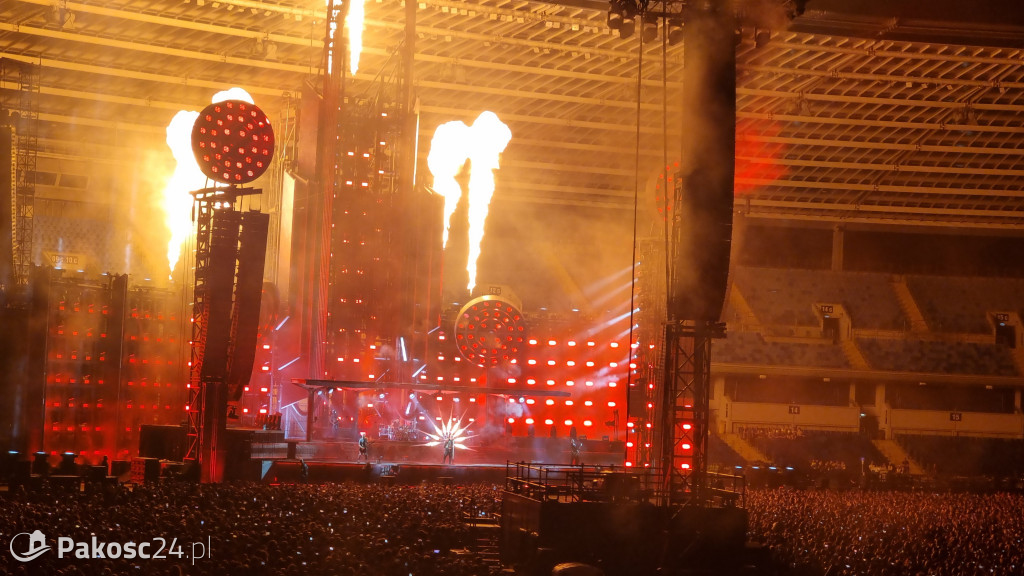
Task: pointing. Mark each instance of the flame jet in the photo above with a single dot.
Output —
(177, 197)
(490, 137)
(448, 153)
(481, 145)
(354, 22)
(354, 19)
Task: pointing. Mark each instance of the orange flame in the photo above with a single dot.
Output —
(177, 197)
(354, 23)
(481, 144)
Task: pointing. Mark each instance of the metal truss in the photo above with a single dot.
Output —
(25, 116)
(685, 410)
(200, 316)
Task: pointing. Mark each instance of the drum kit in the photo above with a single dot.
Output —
(399, 430)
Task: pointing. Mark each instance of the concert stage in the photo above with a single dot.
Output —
(253, 454)
(411, 462)
(290, 471)
(495, 451)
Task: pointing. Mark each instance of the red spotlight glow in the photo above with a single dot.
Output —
(233, 142)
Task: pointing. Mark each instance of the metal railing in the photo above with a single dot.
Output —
(587, 483)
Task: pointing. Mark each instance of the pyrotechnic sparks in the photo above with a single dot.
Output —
(481, 144)
(452, 429)
(177, 200)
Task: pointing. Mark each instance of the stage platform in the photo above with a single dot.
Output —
(290, 472)
(496, 451)
(253, 453)
(408, 462)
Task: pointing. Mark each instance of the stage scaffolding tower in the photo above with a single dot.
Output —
(200, 313)
(24, 120)
(685, 410)
(207, 200)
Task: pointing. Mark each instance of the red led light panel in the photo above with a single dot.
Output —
(233, 142)
(489, 330)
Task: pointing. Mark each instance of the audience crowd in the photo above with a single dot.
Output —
(821, 466)
(378, 529)
(779, 432)
(889, 533)
(255, 529)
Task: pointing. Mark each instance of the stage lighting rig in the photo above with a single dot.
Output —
(649, 31)
(622, 16)
(674, 31)
(233, 142)
(489, 331)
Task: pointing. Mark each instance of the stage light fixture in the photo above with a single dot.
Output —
(675, 31)
(649, 32)
(622, 17)
(489, 330)
(615, 15)
(762, 36)
(628, 25)
(233, 142)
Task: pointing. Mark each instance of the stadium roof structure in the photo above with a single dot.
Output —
(864, 111)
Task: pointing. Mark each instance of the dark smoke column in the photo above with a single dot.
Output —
(701, 239)
(702, 230)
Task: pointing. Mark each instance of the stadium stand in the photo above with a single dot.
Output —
(787, 297)
(960, 304)
(752, 348)
(937, 357)
(966, 456)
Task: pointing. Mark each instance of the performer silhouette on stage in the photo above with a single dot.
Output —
(364, 447)
(575, 445)
(449, 451)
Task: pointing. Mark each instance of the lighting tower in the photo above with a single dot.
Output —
(700, 243)
(233, 144)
